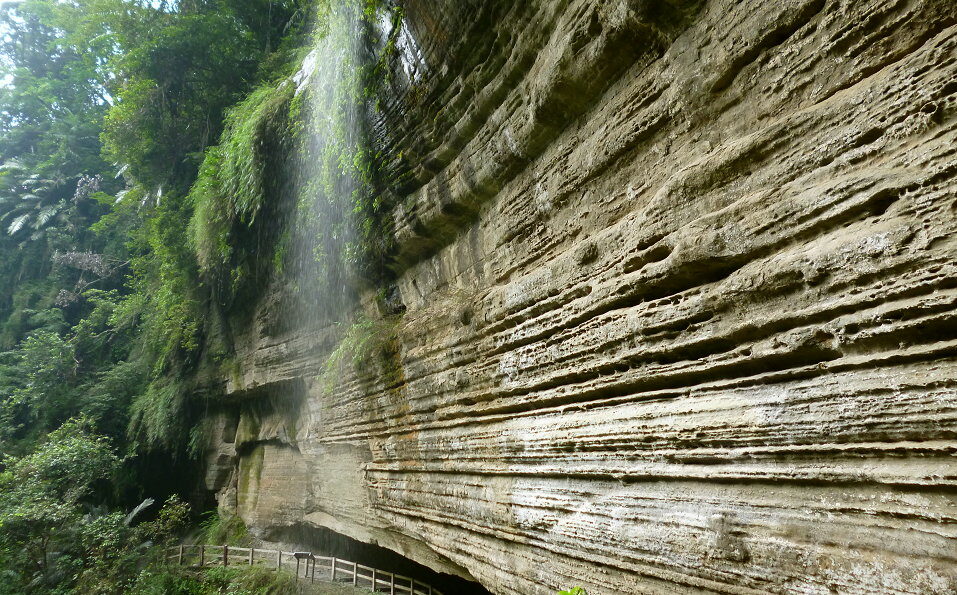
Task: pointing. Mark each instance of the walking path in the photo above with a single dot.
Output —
(306, 565)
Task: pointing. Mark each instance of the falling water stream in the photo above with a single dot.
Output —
(328, 177)
(334, 170)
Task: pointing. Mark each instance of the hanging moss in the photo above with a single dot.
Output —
(238, 181)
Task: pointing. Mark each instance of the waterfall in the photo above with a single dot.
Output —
(332, 166)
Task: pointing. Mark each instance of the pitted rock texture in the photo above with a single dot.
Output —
(680, 282)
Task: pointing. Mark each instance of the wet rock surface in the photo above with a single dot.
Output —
(679, 288)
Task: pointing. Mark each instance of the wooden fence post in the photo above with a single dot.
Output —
(278, 560)
(251, 555)
(202, 555)
(373, 581)
(225, 555)
(333, 570)
(180, 555)
(355, 574)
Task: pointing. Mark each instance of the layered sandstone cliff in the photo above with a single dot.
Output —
(679, 288)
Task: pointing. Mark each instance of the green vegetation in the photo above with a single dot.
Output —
(368, 343)
(55, 529)
(151, 161)
(223, 529)
(339, 187)
(239, 580)
(57, 536)
(103, 298)
(236, 180)
(573, 591)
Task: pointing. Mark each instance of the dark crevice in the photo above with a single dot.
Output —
(246, 448)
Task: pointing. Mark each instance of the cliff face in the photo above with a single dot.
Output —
(679, 282)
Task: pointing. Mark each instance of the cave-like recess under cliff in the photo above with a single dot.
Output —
(679, 282)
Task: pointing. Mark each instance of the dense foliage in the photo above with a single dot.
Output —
(107, 110)
(143, 143)
(56, 531)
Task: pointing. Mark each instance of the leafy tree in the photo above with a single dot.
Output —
(53, 375)
(51, 171)
(54, 534)
(174, 68)
(140, 87)
(43, 497)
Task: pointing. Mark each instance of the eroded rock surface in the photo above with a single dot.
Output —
(680, 288)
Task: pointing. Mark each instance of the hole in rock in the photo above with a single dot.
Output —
(325, 542)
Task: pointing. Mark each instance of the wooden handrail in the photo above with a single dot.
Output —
(337, 567)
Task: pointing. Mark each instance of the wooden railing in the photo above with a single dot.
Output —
(307, 566)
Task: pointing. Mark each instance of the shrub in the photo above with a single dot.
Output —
(225, 529)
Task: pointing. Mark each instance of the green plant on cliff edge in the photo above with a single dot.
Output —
(366, 342)
(573, 591)
(236, 182)
(341, 193)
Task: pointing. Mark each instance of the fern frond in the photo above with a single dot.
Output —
(18, 224)
(45, 215)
